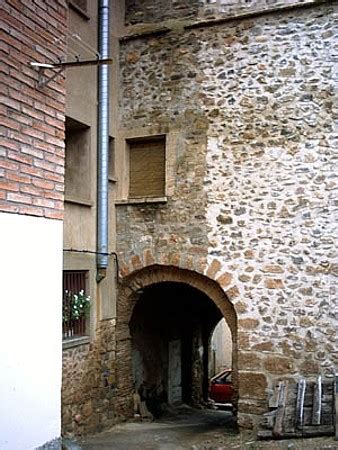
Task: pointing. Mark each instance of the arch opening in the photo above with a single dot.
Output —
(170, 328)
(168, 317)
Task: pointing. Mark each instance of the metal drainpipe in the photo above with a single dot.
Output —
(103, 141)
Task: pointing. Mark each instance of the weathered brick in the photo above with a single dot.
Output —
(10, 123)
(39, 173)
(55, 159)
(43, 184)
(16, 156)
(9, 186)
(29, 36)
(5, 143)
(33, 152)
(43, 202)
(10, 165)
(53, 177)
(20, 198)
(32, 190)
(6, 101)
(55, 123)
(33, 132)
(8, 207)
(31, 211)
(14, 176)
(50, 167)
(54, 195)
(53, 214)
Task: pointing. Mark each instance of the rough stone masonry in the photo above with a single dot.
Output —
(243, 90)
(255, 190)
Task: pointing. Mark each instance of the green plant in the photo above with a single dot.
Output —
(75, 306)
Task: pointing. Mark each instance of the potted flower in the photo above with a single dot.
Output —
(75, 309)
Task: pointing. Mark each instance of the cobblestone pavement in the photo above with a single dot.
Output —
(190, 429)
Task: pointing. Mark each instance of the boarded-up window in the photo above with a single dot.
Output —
(147, 167)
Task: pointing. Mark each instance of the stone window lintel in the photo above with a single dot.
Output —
(74, 342)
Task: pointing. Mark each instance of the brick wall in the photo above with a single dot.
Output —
(31, 118)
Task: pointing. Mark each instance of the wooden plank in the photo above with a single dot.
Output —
(324, 430)
(300, 403)
(328, 387)
(282, 392)
(327, 418)
(317, 402)
(313, 431)
(273, 402)
(307, 416)
(264, 434)
(268, 420)
(289, 418)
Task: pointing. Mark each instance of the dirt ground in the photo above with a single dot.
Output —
(189, 429)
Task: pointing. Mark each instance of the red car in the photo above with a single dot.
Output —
(221, 389)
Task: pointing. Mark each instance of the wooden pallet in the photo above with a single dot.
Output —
(300, 410)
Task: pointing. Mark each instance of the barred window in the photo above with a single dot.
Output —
(74, 321)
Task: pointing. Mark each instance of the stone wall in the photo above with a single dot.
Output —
(252, 101)
(89, 386)
(140, 11)
(156, 11)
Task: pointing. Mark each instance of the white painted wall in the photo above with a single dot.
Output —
(30, 331)
(221, 346)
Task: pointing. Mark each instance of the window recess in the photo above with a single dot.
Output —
(77, 162)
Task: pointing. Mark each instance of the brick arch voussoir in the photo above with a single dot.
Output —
(147, 259)
(140, 278)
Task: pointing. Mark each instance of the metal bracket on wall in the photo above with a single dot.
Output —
(60, 66)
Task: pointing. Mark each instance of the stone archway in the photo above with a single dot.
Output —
(130, 290)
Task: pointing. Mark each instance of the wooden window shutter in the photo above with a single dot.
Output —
(147, 168)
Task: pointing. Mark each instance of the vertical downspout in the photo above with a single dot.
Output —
(102, 140)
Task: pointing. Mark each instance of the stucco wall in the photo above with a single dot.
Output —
(221, 348)
(30, 331)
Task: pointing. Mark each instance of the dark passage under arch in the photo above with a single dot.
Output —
(170, 332)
